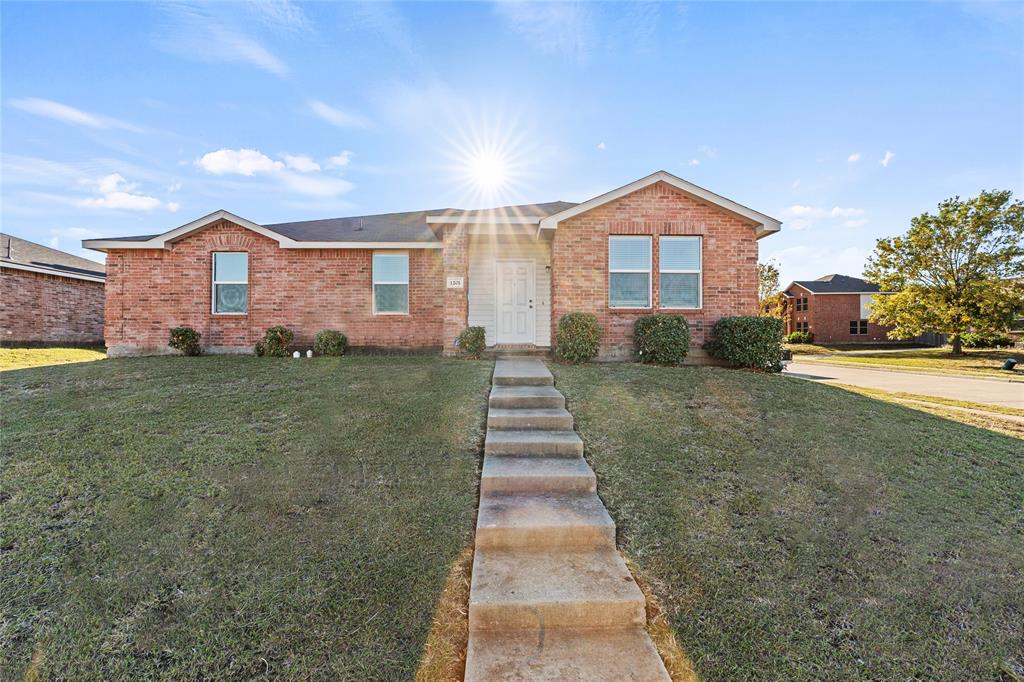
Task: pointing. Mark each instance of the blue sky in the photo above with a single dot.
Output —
(842, 120)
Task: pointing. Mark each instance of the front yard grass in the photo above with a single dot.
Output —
(232, 517)
(794, 530)
(21, 358)
(974, 361)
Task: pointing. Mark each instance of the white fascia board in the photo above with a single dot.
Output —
(765, 224)
(364, 245)
(105, 244)
(51, 271)
(160, 241)
(185, 229)
(473, 220)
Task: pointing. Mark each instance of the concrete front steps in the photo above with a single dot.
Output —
(551, 598)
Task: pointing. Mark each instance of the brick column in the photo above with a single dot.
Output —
(456, 303)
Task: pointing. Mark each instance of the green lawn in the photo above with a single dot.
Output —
(794, 530)
(974, 361)
(232, 517)
(21, 358)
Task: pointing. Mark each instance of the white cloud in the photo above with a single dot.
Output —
(237, 161)
(175, 187)
(558, 27)
(117, 193)
(709, 152)
(800, 217)
(300, 162)
(853, 158)
(340, 160)
(887, 159)
(280, 14)
(212, 32)
(812, 261)
(315, 185)
(251, 162)
(68, 114)
(799, 211)
(693, 162)
(600, 145)
(337, 117)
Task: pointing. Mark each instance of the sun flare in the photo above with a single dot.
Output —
(488, 170)
(491, 159)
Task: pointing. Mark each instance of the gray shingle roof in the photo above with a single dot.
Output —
(23, 252)
(391, 227)
(386, 227)
(838, 284)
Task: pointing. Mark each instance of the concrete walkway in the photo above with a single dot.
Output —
(550, 598)
(954, 387)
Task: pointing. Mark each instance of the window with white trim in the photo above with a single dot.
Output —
(679, 272)
(230, 282)
(391, 283)
(629, 272)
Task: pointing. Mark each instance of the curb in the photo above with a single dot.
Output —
(903, 370)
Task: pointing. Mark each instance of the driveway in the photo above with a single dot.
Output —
(991, 391)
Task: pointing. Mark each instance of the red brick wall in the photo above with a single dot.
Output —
(579, 262)
(39, 308)
(829, 317)
(151, 291)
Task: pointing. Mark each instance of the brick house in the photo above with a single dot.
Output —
(416, 280)
(834, 308)
(48, 296)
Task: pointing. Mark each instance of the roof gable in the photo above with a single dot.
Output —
(765, 224)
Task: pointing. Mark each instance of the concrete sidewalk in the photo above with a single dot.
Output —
(954, 387)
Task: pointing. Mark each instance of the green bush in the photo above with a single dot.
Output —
(661, 339)
(747, 341)
(275, 342)
(186, 339)
(799, 337)
(976, 340)
(578, 338)
(473, 341)
(330, 342)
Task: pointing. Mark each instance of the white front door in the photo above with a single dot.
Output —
(515, 294)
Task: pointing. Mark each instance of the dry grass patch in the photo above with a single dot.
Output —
(677, 663)
(22, 358)
(444, 654)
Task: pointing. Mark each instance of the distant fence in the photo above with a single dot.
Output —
(931, 339)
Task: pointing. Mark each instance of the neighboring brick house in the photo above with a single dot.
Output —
(48, 296)
(416, 280)
(834, 308)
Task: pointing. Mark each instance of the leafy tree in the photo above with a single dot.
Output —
(769, 298)
(956, 271)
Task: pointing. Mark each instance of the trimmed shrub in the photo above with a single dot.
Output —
(186, 339)
(661, 339)
(976, 340)
(473, 341)
(799, 337)
(578, 338)
(330, 342)
(747, 341)
(275, 342)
